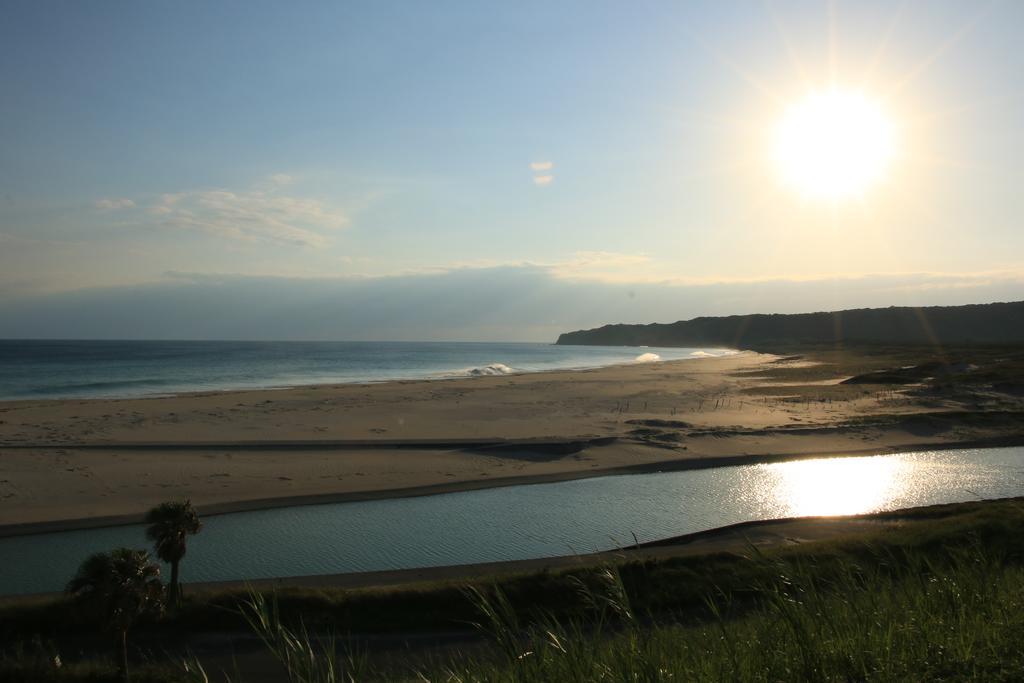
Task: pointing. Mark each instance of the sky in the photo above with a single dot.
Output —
(485, 171)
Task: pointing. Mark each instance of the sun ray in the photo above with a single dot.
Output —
(883, 44)
(963, 108)
(833, 43)
(741, 73)
(718, 121)
(791, 53)
(922, 67)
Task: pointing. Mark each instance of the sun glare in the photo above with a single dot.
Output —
(833, 144)
(839, 486)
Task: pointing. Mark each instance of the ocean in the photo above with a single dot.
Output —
(46, 369)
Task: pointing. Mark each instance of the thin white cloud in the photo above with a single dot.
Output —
(262, 215)
(541, 165)
(543, 179)
(607, 266)
(112, 204)
(607, 258)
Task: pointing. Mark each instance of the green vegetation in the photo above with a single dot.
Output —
(168, 526)
(116, 589)
(304, 658)
(967, 382)
(937, 597)
(909, 618)
(112, 592)
(931, 326)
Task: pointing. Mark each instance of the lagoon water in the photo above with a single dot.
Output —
(34, 369)
(520, 522)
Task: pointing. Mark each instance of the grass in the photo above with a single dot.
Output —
(937, 598)
(906, 619)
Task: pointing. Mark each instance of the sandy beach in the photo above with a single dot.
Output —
(73, 463)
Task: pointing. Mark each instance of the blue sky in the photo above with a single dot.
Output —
(605, 159)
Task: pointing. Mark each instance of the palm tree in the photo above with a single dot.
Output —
(119, 587)
(169, 524)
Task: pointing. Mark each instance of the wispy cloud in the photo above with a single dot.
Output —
(112, 204)
(542, 172)
(255, 215)
(260, 214)
(607, 266)
(607, 258)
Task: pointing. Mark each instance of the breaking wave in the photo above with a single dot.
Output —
(715, 353)
(488, 370)
(647, 358)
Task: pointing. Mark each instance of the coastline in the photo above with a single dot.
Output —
(731, 538)
(231, 507)
(425, 376)
(735, 538)
(74, 464)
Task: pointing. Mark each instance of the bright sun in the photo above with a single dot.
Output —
(833, 144)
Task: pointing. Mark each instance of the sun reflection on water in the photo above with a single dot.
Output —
(839, 486)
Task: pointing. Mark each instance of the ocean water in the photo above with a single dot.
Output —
(34, 369)
(529, 521)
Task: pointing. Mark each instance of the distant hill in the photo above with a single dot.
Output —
(1001, 323)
